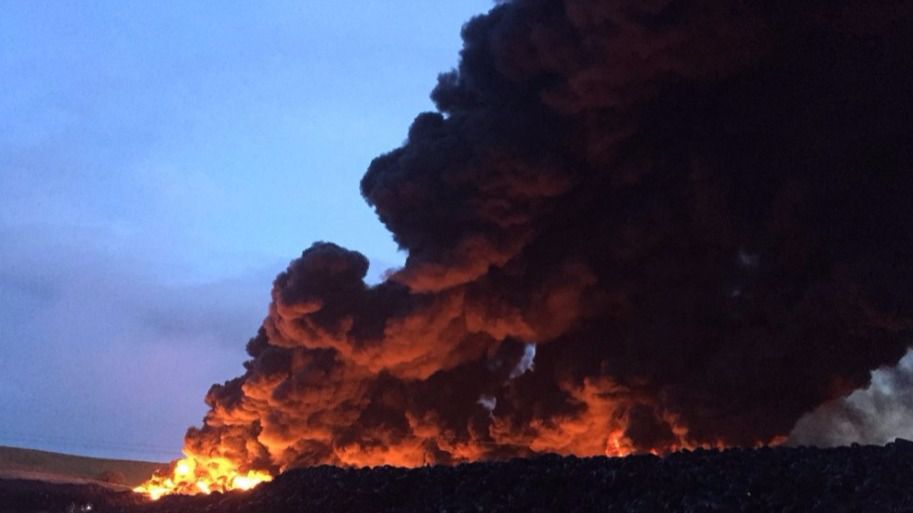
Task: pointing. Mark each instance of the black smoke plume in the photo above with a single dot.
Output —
(630, 225)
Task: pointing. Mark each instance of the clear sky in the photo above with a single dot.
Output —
(160, 162)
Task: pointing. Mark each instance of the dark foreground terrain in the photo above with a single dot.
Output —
(864, 479)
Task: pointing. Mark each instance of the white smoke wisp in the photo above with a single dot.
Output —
(489, 402)
(526, 361)
(871, 416)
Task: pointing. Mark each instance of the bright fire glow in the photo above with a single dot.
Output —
(194, 475)
(603, 432)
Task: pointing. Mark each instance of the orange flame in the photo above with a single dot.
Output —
(194, 475)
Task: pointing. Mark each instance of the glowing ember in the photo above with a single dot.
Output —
(194, 475)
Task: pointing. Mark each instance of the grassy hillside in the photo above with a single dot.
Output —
(30, 463)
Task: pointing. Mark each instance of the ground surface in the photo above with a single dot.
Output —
(66, 468)
(858, 479)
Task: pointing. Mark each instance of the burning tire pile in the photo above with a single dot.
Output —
(860, 478)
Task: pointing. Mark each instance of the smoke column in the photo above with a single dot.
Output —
(630, 225)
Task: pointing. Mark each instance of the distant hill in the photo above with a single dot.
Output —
(16, 463)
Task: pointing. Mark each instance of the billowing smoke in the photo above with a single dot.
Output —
(874, 415)
(700, 215)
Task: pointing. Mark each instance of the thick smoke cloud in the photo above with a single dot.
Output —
(874, 415)
(699, 213)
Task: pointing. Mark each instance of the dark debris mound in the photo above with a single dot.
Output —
(851, 479)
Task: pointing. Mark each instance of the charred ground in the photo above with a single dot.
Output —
(860, 478)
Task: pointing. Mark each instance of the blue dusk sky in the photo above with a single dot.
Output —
(160, 162)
